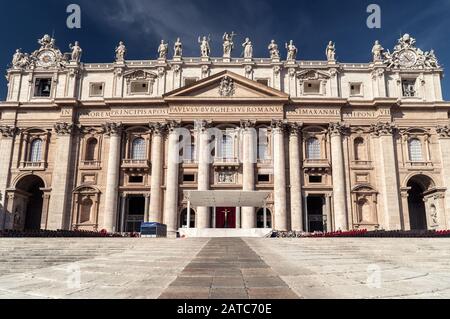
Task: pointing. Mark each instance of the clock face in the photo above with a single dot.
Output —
(408, 58)
(46, 59)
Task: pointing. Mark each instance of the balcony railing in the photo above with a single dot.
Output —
(316, 162)
(227, 161)
(135, 164)
(91, 164)
(33, 166)
(419, 165)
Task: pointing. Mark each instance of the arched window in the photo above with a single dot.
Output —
(415, 150)
(227, 147)
(313, 149)
(85, 210)
(138, 149)
(36, 151)
(263, 144)
(360, 149)
(91, 149)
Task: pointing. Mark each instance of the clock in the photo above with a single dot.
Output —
(46, 59)
(407, 58)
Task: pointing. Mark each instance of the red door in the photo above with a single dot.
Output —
(226, 217)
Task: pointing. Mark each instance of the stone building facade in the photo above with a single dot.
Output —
(336, 146)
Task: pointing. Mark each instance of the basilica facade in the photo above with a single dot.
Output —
(236, 143)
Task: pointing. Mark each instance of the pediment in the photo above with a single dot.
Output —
(226, 85)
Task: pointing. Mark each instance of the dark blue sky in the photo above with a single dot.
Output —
(142, 24)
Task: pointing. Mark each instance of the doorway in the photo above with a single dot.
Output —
(28, 209)
(226, 217)
(315, 206)
(416, 205)
(136, 213)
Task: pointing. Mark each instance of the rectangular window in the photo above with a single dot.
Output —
(139, 87)
(315, 179)
(190, 81)
(42, 87)
(96, 89)
(136, 179)
(355, 89)
(189, 178)
(409, 88)
(263, 81)
(312, 87)
(263, 178)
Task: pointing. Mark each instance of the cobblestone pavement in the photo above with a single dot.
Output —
(224, 268)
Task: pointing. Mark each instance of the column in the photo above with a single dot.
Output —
(238, 218)
(279, 163)
(155, 214)
(444, 146)
(388, 176)
(295, 178)
(114, 131)
(339, 194)
(147, 208)
(248, 214)
(203, 213)
(7, 134)
(123, 208)
(58, 212)
(172, 182)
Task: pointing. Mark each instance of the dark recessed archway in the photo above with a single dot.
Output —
(32, 186)
(417, 212)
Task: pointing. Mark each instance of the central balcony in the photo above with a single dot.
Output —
(226, 163)
(33, 166)
(317, 166)
(136, 165)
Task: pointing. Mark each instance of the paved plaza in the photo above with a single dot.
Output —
(224, 268)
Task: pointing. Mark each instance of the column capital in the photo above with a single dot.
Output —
(202, 125)
(158, 128)
(295, 129)
(383, 129)
(443, 131)
(247, 124)
(8, 131)
(173, 125)
(112, 128)
(338, 128)
(279, 125)
(64, 128)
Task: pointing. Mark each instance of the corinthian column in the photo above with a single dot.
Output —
(58, 212)
(7, 135)
(339, 194)
(114, 130)
(172, 180)
(279, 163)
(295, 178)
(248, 214)
(387, 175)
(444, 146)
(155, 214)
(203, 213)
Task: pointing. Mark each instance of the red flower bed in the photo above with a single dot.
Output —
(55, 234)
(366, 234)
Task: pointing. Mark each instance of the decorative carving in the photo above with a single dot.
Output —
(226, 88)
(76, 52)
(292, 72)
(226, 177)
(205, 71)
(312, 75)
(383, 129)
(158, 128)
(228, 44)
(274, 51)
(377, 73)
(248, 69)
(443, 131)
(20, 60)
(178, 49)
(163, 50)
(277, 70)
(112, 128)
(247, 124)
(295, 128)
(161, 71)
(248, 49)
(205, 48)
(202, 125)
(64, 128)
(121, 51)
(338, 129)
(292, 51)
(173, 125)
(406, 55)
(280, 125)
(8, 131)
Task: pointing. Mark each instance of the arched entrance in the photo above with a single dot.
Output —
(27, 211)
(184, 216)
(418, 185)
